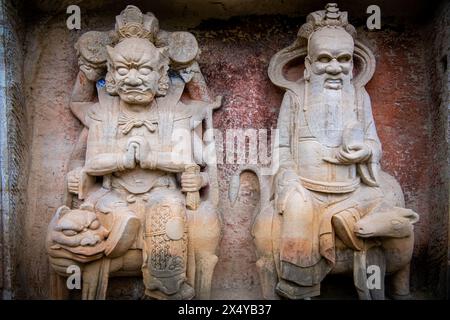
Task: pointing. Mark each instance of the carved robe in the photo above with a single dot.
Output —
(152, 197)
(335, 195)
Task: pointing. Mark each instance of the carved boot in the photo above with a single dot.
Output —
(165, 253)
(293, 291)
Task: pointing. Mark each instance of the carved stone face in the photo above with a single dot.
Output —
(78, 228)
(330, 52)
(137, 70)
(394, 223)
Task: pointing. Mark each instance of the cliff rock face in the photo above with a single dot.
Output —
(409, 94)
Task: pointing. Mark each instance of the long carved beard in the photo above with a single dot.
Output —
(328, 111)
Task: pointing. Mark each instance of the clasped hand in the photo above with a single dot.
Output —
(138, 152)
(354, 153)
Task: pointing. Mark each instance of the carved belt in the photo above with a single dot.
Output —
(330, 187)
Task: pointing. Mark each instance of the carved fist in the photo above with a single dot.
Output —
(91, 72)
(191, 182)
(73, 180)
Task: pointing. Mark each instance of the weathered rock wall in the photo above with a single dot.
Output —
(409, 102)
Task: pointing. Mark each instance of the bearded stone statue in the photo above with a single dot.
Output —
(331, 208)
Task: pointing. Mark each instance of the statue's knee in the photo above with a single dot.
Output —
(297, 202)
(263, 223)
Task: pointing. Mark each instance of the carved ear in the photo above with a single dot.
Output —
(412, 216)
(62, 211)
(307, 72)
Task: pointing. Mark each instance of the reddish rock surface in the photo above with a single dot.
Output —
(234, 60)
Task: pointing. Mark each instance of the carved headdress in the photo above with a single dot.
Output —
(331, 17)
(133, 23)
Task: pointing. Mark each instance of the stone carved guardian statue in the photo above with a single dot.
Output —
(141, 166)
(329, 208)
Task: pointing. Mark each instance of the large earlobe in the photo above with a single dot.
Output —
(307, 72)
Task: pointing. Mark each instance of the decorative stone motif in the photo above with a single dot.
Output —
(142, 211)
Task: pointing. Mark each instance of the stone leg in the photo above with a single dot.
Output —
(165, 246)
(375, 260)
(400, 284)
(360, 274)
(95, 280)
(262, 233)
(204, 237)
(58, 287)
(301, 265)
(90, 280)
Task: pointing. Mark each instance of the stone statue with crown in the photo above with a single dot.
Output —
(330, 209)
(142, 187)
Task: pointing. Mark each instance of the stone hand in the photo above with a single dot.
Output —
(73, 180)
(354, 153)
(129, 158)
(140, 147)
(191, 182)
(92, 73)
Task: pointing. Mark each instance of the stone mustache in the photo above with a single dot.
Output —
(329, 209)
(144, 205)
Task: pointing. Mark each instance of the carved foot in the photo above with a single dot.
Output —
(401, 297)
(186, 292)
(268, 277)
(295, 292)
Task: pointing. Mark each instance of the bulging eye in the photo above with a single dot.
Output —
(122, 71)
(344, 58)
(145, 70)
(324, 59)
(69, 233)
(396, 224)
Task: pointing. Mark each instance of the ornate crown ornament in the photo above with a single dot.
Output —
(181, 47)
(331, 17)
(132, 23)
(91, 46)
